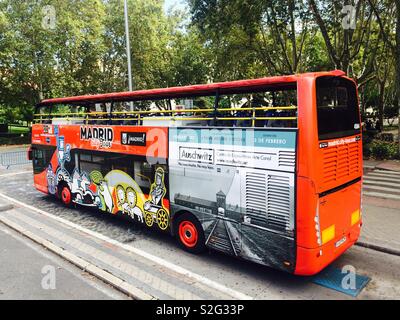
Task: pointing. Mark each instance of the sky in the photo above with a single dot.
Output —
(174, 3)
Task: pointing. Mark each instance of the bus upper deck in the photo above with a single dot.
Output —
(252, 103)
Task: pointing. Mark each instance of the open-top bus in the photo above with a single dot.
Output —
(267, 170)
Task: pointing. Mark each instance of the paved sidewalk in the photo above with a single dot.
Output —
(381, 206)
(13, 148)
(382, 184)
(392, 165)
(381, 225)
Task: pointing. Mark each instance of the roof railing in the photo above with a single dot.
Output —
(208, 114)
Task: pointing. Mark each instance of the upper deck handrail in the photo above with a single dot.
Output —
(166, 111)
(207, 114)
(138, 116)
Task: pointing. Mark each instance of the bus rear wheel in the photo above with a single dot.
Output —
(66, 196)
(189, 233)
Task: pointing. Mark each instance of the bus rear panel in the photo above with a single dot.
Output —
(330, 219)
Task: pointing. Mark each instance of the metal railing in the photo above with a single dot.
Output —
(253, 114)
(16, 158)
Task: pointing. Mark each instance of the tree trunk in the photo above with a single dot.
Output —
(381, 103)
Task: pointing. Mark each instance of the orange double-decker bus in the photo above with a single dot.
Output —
(267, 170)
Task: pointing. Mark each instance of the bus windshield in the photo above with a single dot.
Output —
(337, 108)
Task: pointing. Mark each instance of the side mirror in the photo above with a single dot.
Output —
(30, 154)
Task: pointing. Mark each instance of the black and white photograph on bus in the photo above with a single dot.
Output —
(208, 178)
(204, 156)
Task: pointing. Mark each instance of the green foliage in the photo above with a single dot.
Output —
(85, 53)
(19, 130)
(218, 40)
(383, 150)
(391, 112)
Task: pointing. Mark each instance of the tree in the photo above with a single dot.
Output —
(39, 61)
(352, 46)
(392, 40)
(83, 51)
(164, 51)
(254, 38)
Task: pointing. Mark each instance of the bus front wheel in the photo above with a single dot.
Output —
(66, 196)
(189, 233)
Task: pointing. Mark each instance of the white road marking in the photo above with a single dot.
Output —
(394, 180)
(381, 195)
(208, 282)
(14, 173)
(380, 183)
(379, 188)
(388, 172)
(389, 175)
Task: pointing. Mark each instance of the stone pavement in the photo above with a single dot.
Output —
(381, 225)
(381, 206)
(382, 183)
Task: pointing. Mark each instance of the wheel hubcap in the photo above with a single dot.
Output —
(66, 196)
(188, 234)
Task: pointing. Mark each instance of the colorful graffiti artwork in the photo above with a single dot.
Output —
(118, 192)
(63, 155)
(154, 208)
(115, 192)
(51, 180)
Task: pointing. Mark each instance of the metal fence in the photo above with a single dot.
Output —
(15, 158)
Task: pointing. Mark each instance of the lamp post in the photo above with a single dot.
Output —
(128, 50)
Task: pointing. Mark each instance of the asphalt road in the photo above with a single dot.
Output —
(25, 269)
(254, 280)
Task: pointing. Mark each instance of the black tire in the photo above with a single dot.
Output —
(190, 233)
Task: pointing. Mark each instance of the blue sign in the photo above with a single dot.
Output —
(236, 137)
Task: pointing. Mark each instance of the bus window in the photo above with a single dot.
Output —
(41, 158)
(123, 163)
(42, 115)
(237, 102)
(89, 163)
(98, 114)
(268, 108)
(337, 108)
(143, 175)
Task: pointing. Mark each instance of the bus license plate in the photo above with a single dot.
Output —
(340, 242)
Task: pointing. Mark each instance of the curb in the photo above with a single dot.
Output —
(386, 169)
(367, 169)
(378, 248)
(6, 207)
(119, 284)
(378, 166)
